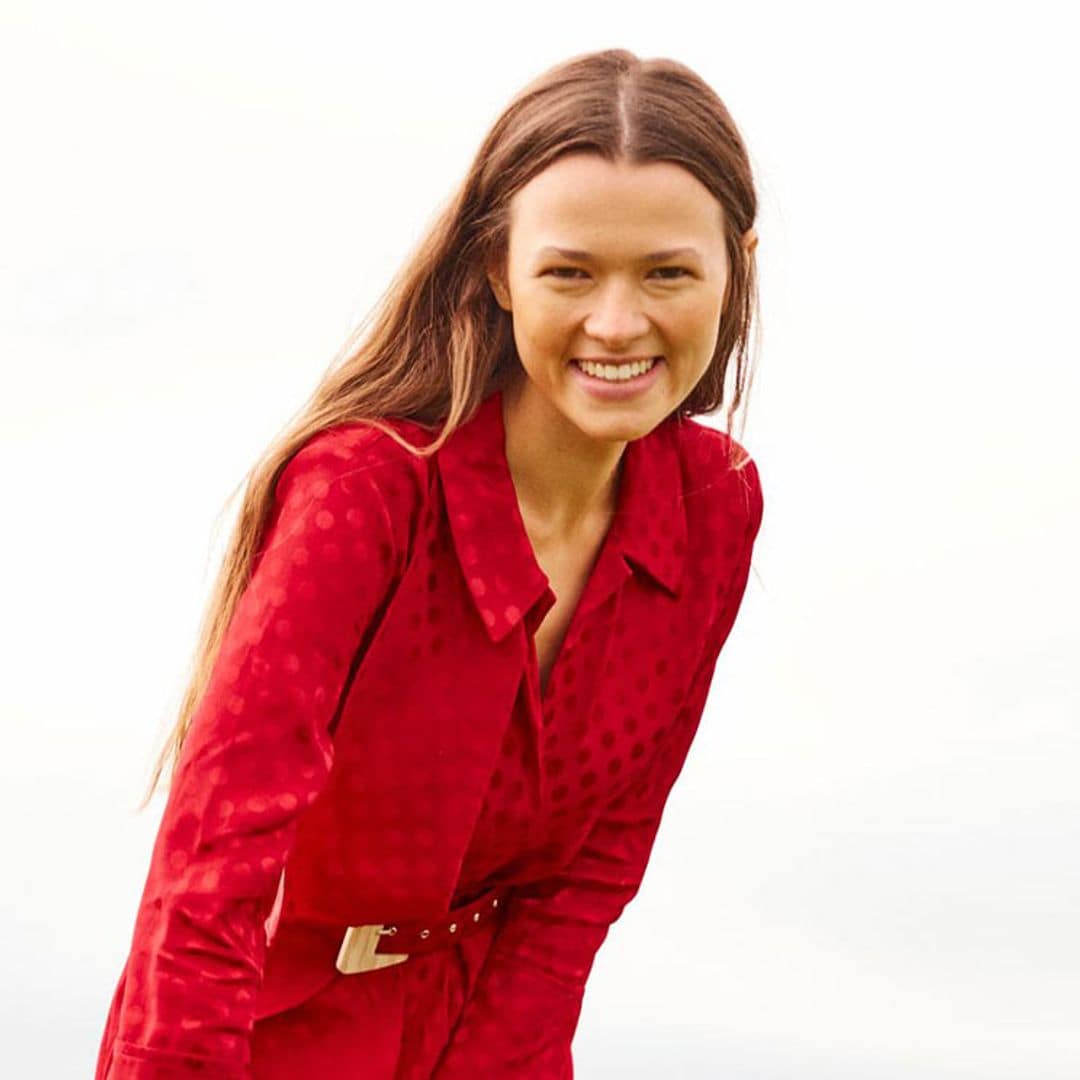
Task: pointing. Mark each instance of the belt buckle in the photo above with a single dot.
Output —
(357, 952)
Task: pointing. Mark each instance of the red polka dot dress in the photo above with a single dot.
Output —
(375, 727)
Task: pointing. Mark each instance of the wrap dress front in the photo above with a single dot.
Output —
(376, 559)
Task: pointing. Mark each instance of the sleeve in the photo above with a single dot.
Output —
(256, 756)
(523, 1014)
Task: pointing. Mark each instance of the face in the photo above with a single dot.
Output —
(619, 296)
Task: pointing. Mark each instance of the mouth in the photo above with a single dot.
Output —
(625, 381)
(616, 371)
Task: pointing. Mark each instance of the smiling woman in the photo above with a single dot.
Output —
(467, 623)
(606, 309)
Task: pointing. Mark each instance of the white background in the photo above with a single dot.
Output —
(869, 867)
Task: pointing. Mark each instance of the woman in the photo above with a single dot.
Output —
(468, 620)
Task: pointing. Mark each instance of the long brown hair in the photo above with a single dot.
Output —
(437, 343)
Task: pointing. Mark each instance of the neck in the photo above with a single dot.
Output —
(566, 482)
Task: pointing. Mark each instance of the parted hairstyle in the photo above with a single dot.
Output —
(436, 342)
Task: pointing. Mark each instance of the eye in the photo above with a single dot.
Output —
(563, 271)
(677, 269)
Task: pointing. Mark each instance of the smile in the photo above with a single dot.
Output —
(616, 372)
(617, 382)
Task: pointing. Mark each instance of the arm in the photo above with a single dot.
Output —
(521, 1019)
(257, 754)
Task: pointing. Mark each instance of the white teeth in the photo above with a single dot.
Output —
(615, 372)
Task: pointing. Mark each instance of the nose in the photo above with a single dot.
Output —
(617, 318)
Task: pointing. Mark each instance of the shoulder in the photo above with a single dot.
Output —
(354, 446)
(358, 448)
(719, 470)
(358, 467)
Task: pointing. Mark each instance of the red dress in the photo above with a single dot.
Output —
(374, 721)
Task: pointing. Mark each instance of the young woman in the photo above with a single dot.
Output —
(468, 620)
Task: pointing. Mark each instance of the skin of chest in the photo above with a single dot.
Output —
(567, 564)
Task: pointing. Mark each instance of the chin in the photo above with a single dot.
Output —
(624, 425)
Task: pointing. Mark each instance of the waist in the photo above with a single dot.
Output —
(376, 945)
(305, 956)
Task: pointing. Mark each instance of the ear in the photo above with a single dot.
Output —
(497, 281)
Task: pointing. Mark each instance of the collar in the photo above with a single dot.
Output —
(505, 580)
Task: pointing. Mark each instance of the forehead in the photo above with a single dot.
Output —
(582, 196)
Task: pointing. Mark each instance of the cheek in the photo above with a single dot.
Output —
(542, 323)
(699, 318)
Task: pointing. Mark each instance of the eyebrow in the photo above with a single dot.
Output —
(585, 256)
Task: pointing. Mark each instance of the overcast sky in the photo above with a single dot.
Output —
(874, 841)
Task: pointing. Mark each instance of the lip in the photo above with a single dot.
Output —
(616, 391)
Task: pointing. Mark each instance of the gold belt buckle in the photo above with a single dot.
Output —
(357, 952)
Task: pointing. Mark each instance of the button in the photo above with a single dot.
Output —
(425, 933)
(453, 927)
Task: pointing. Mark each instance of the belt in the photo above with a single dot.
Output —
(378, 945)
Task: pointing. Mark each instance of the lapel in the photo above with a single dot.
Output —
(504, 579)
(507, 585)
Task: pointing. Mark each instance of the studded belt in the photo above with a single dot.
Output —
(378, 945)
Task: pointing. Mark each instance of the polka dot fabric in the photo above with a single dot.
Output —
(374, 745)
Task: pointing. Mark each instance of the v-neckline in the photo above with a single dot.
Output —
(603, 578)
